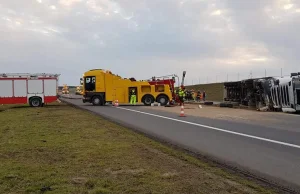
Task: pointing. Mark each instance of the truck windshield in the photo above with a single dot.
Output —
(89, 83)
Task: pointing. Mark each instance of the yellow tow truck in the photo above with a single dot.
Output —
(102, 86)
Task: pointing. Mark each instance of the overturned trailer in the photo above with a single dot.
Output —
(285, 93)
(268, 93)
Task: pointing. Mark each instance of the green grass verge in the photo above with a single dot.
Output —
(61, 149)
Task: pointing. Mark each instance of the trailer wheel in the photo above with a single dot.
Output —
(97, 101)
(147, 100)
(35, 102)
(163, 100)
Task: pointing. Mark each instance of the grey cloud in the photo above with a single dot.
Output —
(138, 34)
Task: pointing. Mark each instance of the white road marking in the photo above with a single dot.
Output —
(215, 128)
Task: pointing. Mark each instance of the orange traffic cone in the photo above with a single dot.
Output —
(182, 111)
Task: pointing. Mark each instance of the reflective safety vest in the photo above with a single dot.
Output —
(181, 93)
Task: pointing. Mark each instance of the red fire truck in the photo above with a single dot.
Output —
(34, 89)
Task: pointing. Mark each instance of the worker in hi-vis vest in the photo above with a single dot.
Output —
(181, 95)
(133, 97)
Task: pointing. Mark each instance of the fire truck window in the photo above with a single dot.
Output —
(90, 83)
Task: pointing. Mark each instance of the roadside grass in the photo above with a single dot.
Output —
(61, 149)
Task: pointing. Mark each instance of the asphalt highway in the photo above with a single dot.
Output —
(266, 151)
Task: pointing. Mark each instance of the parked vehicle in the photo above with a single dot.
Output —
(269, 93)
(102, 86)
(285, 93)
(25, 88)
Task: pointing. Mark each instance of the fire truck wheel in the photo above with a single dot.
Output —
(97, 101)
(147, 100)
(163, 100)
(35, 102)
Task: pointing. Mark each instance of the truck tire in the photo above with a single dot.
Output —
(97, 101)
(230, 105)
(163, 100)
(35, 102)
(147, 100)
(223, 104)
(208, 103)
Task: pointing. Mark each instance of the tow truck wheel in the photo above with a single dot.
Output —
(35, 102)
(163, 100)
(97, 101)
(147, 100)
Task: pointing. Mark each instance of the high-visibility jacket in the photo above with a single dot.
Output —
(132, 93)
(181, 93)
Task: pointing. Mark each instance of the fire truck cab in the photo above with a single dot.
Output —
(25, 88)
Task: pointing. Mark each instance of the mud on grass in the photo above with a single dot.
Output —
(60, 149)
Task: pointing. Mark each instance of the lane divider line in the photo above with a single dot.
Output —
(215, 128)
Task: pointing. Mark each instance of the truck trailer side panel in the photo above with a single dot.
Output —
(20, 91)
(35, 86)
(50, 90)
(6, 89)
(109, 87)
(20, 88)
(6, 92)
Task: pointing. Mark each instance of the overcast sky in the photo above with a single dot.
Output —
(142, 38)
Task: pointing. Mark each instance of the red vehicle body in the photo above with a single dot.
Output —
(170, 80)
(23, 88)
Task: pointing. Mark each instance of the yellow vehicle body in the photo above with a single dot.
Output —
(102, 86)
(65, 89)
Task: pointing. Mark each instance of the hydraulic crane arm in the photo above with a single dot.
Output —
(183, 77)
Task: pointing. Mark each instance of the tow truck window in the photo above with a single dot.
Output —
(90, 83)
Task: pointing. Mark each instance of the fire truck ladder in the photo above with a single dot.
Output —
(27, 75)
